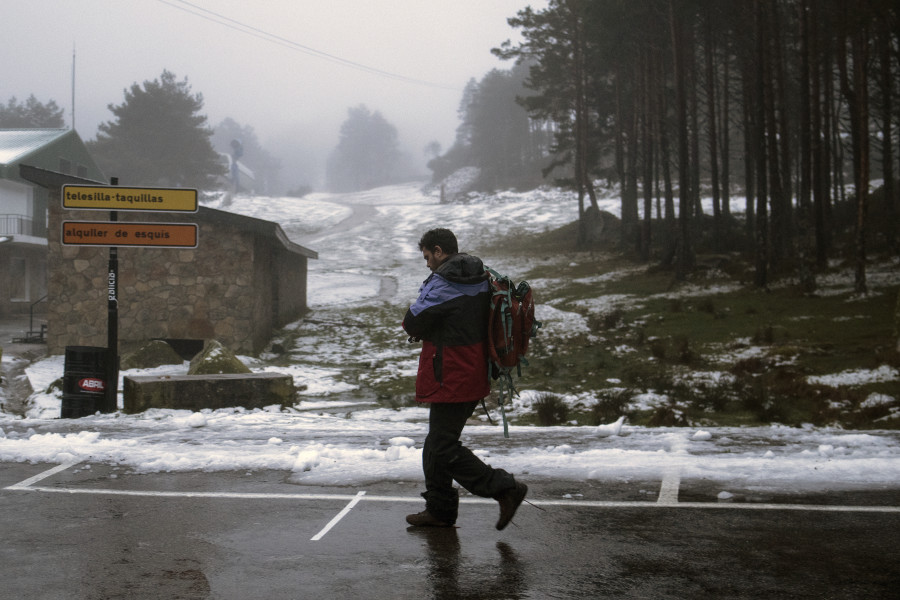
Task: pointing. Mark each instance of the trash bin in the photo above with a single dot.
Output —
(84, 381)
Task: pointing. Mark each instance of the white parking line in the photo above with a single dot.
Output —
(41, 476)
(27, 486)
(338, 517)
(668, 490)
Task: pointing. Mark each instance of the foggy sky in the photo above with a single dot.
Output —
(287, 95)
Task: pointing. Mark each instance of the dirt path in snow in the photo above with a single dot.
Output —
(362, 214)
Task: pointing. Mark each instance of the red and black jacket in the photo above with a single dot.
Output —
(450, 317)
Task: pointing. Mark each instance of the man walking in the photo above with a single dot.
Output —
(450, 318)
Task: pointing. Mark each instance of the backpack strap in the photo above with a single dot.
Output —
(506, 385)
(487, 413)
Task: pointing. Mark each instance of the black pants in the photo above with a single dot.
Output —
(444, 459)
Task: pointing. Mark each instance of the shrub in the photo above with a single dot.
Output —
(609, 408)
(686, 356)
(706, 305)
(670, 415)
(551, 409)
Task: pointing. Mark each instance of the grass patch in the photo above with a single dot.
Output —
(551, 409)
(768, 341)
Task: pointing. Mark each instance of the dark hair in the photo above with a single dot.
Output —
(439, 237)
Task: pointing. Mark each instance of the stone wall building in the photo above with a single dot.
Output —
(243, 281)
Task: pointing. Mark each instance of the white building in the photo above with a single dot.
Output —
(23, 209)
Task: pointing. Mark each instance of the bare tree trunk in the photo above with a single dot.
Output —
(817, 146)
(726, 151)
(648, 152)
(693, 86)
(748, 116)
(711, 124)
(806, 243)
(671, 227)
(771, 88)
(582, 175)
(630, 226)
(785, 193)
(897, 322)
(839, 193)
(857, 97)
(761, 247)
(887, 143)
(830, 149)
(684, 261)
(860, 44)
(619, 126)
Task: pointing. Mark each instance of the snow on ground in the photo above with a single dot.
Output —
(857, 377)
(368, 257)
(374, 445)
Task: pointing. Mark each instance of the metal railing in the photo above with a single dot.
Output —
(16, 225)
(34, 336)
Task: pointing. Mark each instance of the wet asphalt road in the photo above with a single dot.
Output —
(94, 533)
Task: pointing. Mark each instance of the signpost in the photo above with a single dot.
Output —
(147, 235)
(113, 234)
(88, 197)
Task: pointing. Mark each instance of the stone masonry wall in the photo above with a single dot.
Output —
(221, 290)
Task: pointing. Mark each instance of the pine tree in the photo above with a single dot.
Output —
(367, 154)
(31, 114)
(159, 137)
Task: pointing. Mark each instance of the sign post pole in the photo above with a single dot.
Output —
(112, 325)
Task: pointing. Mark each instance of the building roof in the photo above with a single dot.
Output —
(261, 226)
(17, 144)
(47, 179)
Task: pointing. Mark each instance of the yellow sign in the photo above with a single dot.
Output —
(122, 198)
(150, 235)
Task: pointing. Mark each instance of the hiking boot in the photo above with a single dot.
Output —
(426, 519)
(509, 503)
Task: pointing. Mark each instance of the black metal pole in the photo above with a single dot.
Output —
(112, 326)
